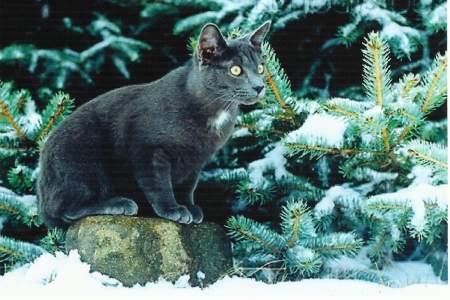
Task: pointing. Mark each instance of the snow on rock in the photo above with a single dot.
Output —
(324, 127)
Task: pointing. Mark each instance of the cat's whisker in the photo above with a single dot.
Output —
(216, 99)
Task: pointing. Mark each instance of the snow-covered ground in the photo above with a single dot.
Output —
(66, 277)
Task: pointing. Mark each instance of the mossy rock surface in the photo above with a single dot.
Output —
(140, 250)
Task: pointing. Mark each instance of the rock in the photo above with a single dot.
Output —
(140, 250)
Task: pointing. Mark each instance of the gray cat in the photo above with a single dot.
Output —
(146, 144)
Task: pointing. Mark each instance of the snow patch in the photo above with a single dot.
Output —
(241, 132)
(321, 126)
(394, 31)
(201, 275)
(66, 277)
(417, 196)
(407, 273)
(182, 282)
(31, 119)
(438, 15)
(421, 174)
(360, 262)
(326, 205)
(273, 160)
(374, 111)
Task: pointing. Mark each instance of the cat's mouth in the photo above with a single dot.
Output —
(253, 97)
(248, 101)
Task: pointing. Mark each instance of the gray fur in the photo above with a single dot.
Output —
(146, 144)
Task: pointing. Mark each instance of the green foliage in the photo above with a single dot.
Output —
(396, 189)
(396, 29)
(22, 129)
(379, 127)
(299, 248)
(56, 66)
(54, 240)
(18, 252)
(404, 35)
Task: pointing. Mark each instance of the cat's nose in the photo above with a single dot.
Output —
(259, 90)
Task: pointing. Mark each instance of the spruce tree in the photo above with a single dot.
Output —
(23, 129)
(393, 187)
(57, 68)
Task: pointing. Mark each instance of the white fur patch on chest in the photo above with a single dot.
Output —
(219, 120)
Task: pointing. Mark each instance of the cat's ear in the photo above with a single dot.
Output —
(257, 37)
(210, 43)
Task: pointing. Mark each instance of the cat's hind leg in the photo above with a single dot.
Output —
(112, 206)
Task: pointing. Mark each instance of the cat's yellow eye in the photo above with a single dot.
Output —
(260, 69)
(236, 70)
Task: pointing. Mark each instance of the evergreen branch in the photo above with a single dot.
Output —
(378, 75)
(9, 209)
(380, 244)
(254, 127)
(297, 222)
(428, 153)
(333, 151)
(257, 239)
(9, 118)
(246, 229)
(394, 161)
(341, 111)
(8, 148)
(437, 78)
(334, 244)
(405, 132)
(385, 137)
(352, 167)
(303, 260)
(21, 103)
(295, 230)
(406, 114)
(260, 191)
(376, 70)
(52, 119)
(280, 101)
(54, 240)
(427, 158)
(11, 204)
(410, 84)
(16, 250)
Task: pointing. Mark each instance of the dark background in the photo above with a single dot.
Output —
(298, 46)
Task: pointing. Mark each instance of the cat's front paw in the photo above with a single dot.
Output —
(177, 213)
(197, 213)
(121, 206)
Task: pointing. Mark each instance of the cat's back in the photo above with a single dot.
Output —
(156, 93)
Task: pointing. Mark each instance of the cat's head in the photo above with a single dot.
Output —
(232, 69)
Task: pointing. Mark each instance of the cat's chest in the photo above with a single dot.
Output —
(221, 122)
